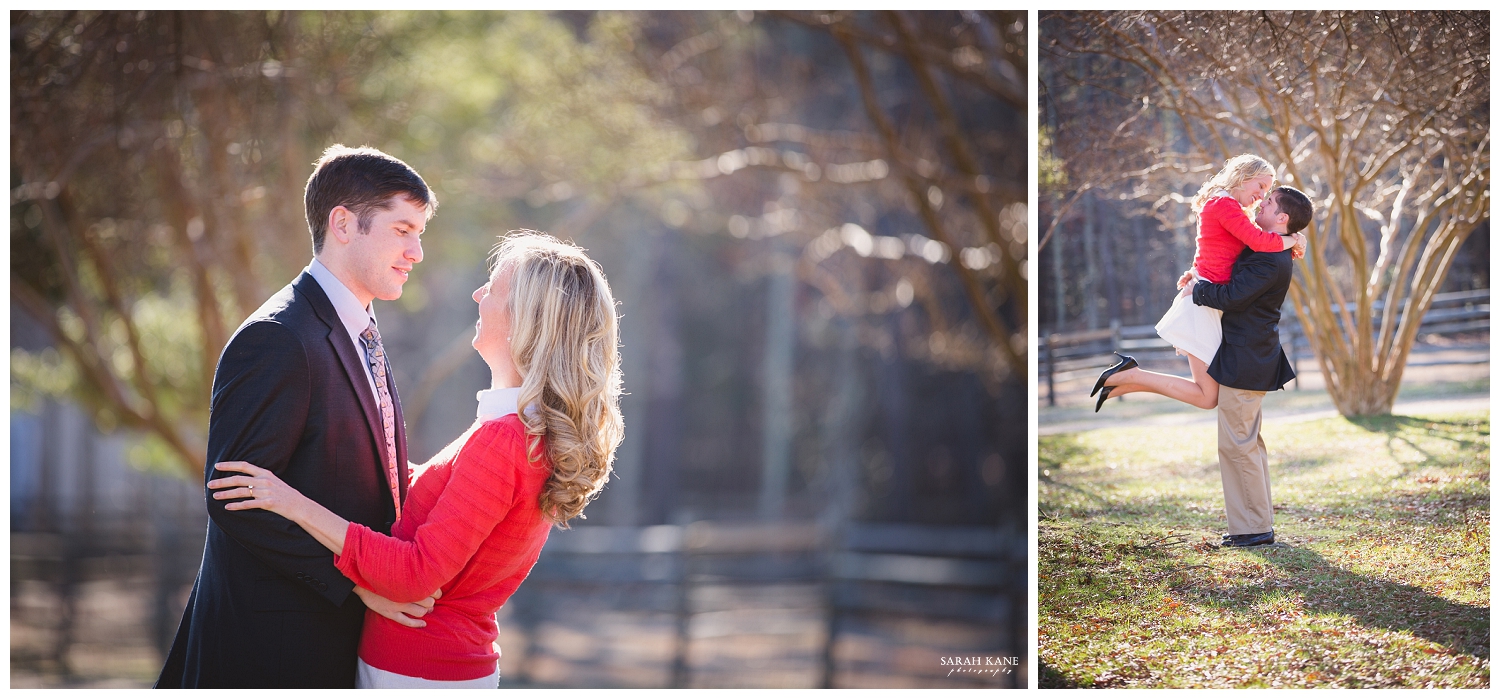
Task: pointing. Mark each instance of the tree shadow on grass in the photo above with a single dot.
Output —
(1053, 679)
(1372, 602)
(1289, 465)
(1060, 450)
(1085, 492)
(1468, 437)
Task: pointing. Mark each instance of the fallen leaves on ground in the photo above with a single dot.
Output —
(1381, 577)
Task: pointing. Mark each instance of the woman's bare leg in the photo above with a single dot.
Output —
(1200, 392)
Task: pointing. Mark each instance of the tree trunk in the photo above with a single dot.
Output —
(664, 400)
(1059, 287)
(623, 503)
(777, 370)
(1088, 285)
(1146, 299)
(1109, 260)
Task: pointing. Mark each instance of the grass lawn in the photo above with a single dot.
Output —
(1380, 577)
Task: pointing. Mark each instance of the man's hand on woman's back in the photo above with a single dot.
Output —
(405, 614)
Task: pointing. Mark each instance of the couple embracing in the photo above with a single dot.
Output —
(1225, 321)
(332, 562)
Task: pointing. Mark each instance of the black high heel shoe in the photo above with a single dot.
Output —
(1103, 396)
(1126, 362)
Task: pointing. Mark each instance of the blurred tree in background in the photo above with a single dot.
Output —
(780, 200)
(888, 271)
(1382, 118)
(158, 161)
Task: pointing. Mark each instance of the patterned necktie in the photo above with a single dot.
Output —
(375, 355)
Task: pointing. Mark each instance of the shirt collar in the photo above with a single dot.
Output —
(497, 402)
(355, 318)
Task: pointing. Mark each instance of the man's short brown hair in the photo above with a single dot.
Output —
(362, 180)
(1296, 206)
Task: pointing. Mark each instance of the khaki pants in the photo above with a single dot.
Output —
(1243, 465)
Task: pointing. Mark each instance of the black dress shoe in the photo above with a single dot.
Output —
(1103, 396)
(1126, 362)
(1227, 537)
(1248, 540)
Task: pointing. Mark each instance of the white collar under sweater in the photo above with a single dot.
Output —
(497, 402)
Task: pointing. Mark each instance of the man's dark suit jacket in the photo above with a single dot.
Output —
(269, 609)
(1250, 357)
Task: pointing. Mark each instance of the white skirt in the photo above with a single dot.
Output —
(370, 677)
(1192, 328)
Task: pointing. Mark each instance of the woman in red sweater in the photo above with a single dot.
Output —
(476, 515)
(1224, 231)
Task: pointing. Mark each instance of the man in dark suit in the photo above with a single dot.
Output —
(1251, 362)
(303, 389)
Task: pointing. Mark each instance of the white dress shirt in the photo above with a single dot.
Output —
(355, 317)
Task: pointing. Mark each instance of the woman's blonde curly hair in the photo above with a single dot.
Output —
(1237, 171)
(564, 343)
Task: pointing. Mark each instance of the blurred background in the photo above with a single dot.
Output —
(814, 224)
(1381, 118)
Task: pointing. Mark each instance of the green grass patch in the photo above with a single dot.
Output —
(1380, 577)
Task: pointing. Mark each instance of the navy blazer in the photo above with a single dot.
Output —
(269, 609)
(1250, 355)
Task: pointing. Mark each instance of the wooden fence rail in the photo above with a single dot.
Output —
(1067, 356)
(829, 596)
(707, 604)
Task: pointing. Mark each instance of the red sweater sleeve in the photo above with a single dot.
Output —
(1228, 213)
(479, 493)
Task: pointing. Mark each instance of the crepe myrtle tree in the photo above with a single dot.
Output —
(1380, 117)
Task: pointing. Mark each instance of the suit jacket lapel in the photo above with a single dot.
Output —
(353, 364)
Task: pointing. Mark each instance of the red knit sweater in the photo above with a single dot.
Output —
(471, 525)
(1223, 231)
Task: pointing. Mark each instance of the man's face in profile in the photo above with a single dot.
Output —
(1267, 212)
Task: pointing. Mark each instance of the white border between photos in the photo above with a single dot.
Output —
(1033, 668)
